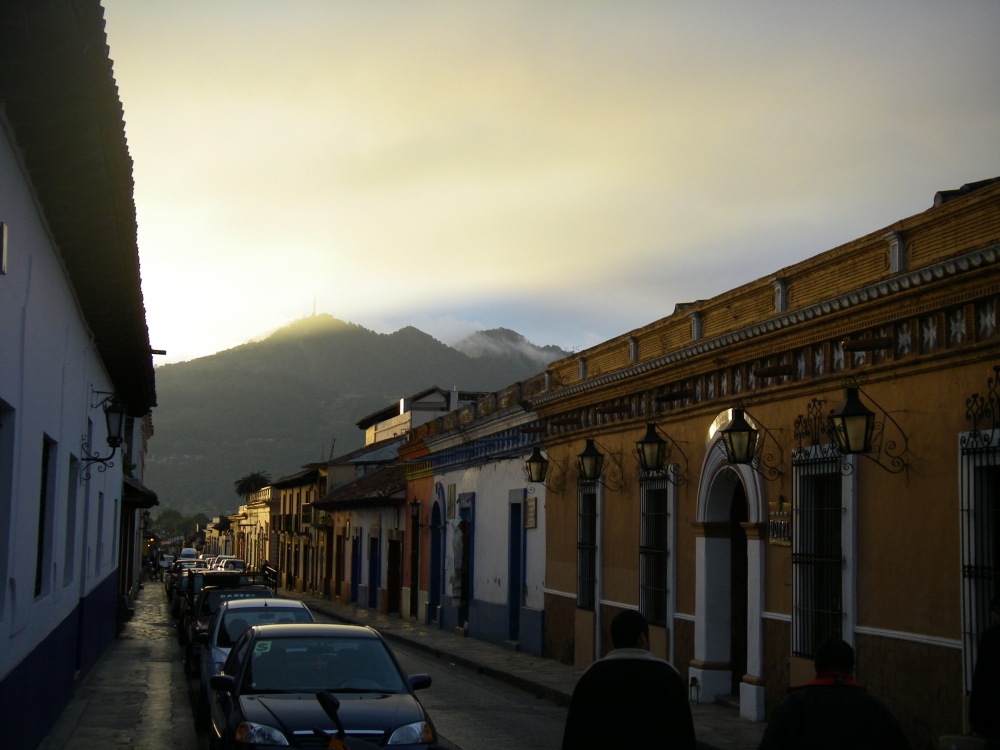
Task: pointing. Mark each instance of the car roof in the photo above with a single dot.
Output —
(263, 603)
(313, 630)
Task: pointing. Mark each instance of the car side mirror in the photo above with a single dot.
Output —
(201, 636)
(419, 681)
(224, 682)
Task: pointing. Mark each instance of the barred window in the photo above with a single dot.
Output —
(654, 518)
(817, 554)
(980, 528)
(586, 545)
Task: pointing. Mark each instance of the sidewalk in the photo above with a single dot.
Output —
(136, 696)
(716, 727)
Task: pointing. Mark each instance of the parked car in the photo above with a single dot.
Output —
(231, 564)
(219, 559)
(188, 553)
(205, 607)
(174, 573)
(201, 577)
(266, 692)
(232, 618)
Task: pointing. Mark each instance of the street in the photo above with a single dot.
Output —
(471, 711)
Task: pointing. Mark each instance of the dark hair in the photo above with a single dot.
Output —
(627, 627)
(835, 655)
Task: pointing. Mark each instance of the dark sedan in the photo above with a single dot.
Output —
(266, 693)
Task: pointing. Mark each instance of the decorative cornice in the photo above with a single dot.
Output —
(973, 260)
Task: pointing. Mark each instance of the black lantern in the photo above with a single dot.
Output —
(740, 439)
(652, 450)
(114, 418)
(537, 466)
(852, 424)
(591, 462)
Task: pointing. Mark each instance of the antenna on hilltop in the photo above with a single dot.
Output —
(332, 447)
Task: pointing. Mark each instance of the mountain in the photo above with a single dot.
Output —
(296, 397)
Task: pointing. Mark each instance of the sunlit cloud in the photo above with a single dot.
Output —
(567, 170)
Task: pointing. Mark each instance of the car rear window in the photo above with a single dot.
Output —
(236, 621)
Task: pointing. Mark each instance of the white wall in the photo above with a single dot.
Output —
(48, 369)
(492, 484)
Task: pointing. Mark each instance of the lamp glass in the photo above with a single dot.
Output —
(853, 424)
(537, 466)
(114, 417)
(652, 450)
(739, 439)
(591, 461)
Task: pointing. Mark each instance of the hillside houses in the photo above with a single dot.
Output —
(741, 561)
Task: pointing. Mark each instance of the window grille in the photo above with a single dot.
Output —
(654, 518)
(586, 545)
(817, 553)
(980, 522)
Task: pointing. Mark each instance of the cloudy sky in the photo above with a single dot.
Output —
(570, 170)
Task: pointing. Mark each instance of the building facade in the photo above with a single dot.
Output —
(76, 374)
(744, 568)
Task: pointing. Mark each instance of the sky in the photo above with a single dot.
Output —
(568, 170)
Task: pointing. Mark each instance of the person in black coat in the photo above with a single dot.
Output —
(833, 711)
(629, 698)
(984, 702)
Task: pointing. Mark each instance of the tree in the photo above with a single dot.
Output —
(255, 480)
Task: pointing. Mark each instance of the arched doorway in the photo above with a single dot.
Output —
(729, 581)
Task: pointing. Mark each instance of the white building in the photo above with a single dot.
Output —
(72, 336)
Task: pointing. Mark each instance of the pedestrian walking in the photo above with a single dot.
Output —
(833, 711)
(984, 701)
(629, 698)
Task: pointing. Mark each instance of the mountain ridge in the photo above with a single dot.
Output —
(277, 403)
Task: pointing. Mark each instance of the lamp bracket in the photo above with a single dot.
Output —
(614, 478)
(675, 477)
(90, 459)
(889, 443)
(96, 402)
(553, 483)
(982, 410)
(767, 461)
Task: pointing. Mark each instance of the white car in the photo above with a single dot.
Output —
(230, 620)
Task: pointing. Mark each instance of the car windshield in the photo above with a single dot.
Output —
(234, 622)
(308, 664)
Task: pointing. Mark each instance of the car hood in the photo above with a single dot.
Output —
(360, 713)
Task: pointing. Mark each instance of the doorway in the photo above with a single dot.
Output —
(730, 543)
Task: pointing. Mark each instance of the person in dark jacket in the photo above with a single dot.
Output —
(629, 698)
(833, 711)
(984, 702)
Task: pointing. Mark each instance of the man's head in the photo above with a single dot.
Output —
(835, 655)
(629, 630)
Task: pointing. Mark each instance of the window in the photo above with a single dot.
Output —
(654, 520)
(817, 554)
(586, 545)
(980, 528)
(69, 552)
(46, 501)
(6, 487)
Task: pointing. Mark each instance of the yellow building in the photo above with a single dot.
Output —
(743, 568)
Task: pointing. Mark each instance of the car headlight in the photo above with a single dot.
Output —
(259, 734)
(418, 733)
